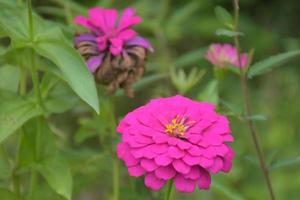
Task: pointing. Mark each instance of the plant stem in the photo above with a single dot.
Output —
(15, 176)
(169, 190)
(35, 80)
(33, 182)
(115, 161)
(115, 178)
(30, 19)
(247, 105)
(23, 81)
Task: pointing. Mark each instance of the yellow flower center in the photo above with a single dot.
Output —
(178, 126)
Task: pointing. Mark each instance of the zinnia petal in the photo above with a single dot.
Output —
(139, 41)
(153, 182)
(94, 62)
(176, 138)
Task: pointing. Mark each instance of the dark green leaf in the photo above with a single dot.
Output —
(58, 175)
(270, 63)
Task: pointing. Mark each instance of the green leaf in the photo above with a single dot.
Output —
(8, 195)
(14, 25)
(58, 175)
(270, 63)
(15, 111)
(228, 33)
(9, 78)
(210, 93)
(185, 82)
(58, 96)
(50, 43)
(70, 63)
(37, 143)
(224, 16)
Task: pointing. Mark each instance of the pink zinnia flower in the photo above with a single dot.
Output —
(175, 138)
(109, 33)
(222, 54)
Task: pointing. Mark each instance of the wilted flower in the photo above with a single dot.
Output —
(113, 51)
(175, 138)
(222, 54)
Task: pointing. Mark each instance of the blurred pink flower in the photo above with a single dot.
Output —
(175, 138)
(222, 54)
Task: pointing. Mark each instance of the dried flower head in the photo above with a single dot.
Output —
(222, 54)
(114, 52)
(175, 138)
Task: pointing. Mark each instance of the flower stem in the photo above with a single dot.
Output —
(30, 20)
(115, 161)
(115, 178)
(169, 192)
(35, 80)
(247, 105)
(33, 183)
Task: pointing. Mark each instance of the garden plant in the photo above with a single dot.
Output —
(148, 99)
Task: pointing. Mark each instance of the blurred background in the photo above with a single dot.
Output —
(180, 31)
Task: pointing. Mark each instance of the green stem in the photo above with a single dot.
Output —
(23, 81)
(15, 176)
(169, 192)
(35, 80)
(33, 183)
(248, 110)
(30, 20)
(115, 161)
(115, 178)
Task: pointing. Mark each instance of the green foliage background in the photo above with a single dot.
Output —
(180, 32)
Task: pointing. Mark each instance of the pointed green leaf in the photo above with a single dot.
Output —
(58, 175)
(270, 63)
(73, 68)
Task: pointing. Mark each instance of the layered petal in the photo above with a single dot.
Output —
(176, 138)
